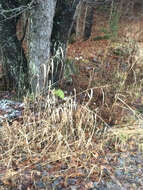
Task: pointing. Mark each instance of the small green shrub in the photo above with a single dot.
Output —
(59, 93)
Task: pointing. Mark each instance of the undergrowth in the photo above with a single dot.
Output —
(76, 130)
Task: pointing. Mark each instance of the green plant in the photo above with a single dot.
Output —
(59, 93)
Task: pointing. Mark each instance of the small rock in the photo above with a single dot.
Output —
(73, 187)
(113, 186)
(71, 181)
(44, 173)
(95, 60)
(64, 167)
(40, 185)
(56, 183)
(39, 167)
(118, 173)
(49, 166)
(95, 184)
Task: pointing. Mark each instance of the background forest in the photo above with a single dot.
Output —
(71, 94)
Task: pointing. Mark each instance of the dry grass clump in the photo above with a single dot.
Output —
(47, 132)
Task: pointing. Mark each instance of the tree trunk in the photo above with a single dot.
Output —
(80, 20)
(50, 26)
(84, 21)
(65, 16)
(88, 22)
(12, 54)
(40, 29)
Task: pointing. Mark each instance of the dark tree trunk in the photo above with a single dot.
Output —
(88, 22)
(64, 20)
(14, 61)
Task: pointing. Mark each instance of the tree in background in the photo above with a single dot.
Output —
(84, 20)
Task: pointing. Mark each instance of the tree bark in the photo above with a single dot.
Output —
(12, 55)
(40, 29)
(64, 19)
(80, 20)
(65, 16)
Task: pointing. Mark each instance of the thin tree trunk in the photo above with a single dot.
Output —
(88, 22)
(80, 21)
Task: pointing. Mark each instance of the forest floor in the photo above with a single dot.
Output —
(92, 140)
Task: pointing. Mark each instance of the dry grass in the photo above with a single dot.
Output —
(76, 131)
(48, 132)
